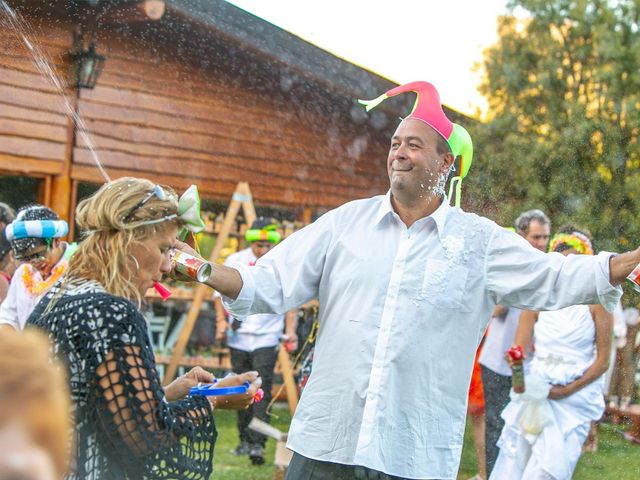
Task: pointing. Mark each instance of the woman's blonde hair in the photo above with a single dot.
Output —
(34, 393)
(113, 220)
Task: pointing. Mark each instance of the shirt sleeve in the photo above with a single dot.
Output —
(148, 436)
(9, 307)
(288, 275)
(521, 276)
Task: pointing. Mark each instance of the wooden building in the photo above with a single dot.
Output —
(192, 91)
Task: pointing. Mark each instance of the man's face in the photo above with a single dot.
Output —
(538, 235)
(259, 248)
(414, 165)
(41, 257)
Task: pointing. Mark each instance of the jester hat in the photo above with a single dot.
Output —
(428, 109)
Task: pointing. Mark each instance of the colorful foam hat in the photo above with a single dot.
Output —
(575, 240)
(428, 109)
(263, 230)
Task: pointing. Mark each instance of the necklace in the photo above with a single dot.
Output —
(37, 288)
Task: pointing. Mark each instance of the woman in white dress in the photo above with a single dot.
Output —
(542, 437)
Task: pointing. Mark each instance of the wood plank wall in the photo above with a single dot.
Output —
(33, 126)
(158, 113)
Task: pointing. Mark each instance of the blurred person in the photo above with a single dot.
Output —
(35, 414)
(127, 425)
(622, 383)
(6, 215)
(34, 236)
(406, 285)
(572, 350)
(8, 265)
(254, 342)
(619, 342)
(476, 414)
(535, 227)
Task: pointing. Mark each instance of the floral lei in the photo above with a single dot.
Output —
(37, 288)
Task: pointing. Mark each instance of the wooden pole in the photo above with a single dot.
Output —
(241, 198)
(287, 376)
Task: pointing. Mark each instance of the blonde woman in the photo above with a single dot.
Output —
(34, 409)
(126, 424)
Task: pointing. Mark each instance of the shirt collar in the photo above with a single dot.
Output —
(439, 216)
(385, 208)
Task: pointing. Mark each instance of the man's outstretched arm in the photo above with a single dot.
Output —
(225, 280)
(620, 266)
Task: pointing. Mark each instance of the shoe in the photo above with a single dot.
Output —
(242, 449)
(256, 454)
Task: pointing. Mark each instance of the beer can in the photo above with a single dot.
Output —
(634, 277)
(190, 266)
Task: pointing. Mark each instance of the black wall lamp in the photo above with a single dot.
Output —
(88, 65)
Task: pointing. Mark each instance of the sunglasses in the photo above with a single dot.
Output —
(36, 257)
(157, 192)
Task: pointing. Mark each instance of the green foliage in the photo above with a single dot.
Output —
(563, 86)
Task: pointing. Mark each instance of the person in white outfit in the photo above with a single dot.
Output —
(542, 438)
(254, 342)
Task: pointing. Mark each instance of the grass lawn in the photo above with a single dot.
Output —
(615, 459)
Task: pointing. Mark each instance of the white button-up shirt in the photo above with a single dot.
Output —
(402, 311)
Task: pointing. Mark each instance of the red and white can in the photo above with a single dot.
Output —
(190, 266)
(634, 277)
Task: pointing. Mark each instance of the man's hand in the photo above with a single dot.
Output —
(290, 340)
(239, 401)
(179, 388)
(183, 247)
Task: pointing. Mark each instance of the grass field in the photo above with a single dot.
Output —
(615, 459)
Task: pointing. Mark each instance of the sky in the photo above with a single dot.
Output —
(402, 40)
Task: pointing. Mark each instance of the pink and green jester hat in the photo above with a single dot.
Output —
(428, 109)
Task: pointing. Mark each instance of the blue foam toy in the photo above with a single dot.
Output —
(210, 389)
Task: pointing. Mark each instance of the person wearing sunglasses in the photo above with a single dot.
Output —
(127, 424)
(34, 236)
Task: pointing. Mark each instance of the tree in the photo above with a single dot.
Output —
(563, 87)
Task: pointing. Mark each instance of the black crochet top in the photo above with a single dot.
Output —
(124, 427)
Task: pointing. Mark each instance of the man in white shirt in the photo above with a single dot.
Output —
(535, 227)
(406, 286)
(254, 342)
(35, 240)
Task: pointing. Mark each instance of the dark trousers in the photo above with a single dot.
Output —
(303, 468)
(496, 397)
(262, 360)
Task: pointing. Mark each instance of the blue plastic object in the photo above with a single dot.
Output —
(210, 389)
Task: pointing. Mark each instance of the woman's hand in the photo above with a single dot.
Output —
(239, 401)
(558, 392)
(179, 388)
